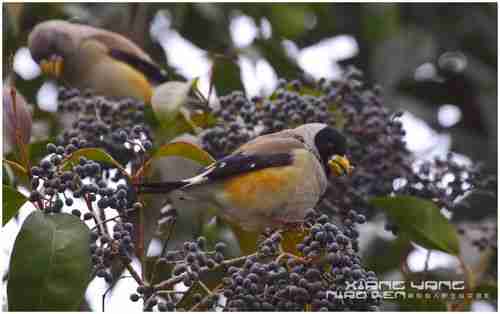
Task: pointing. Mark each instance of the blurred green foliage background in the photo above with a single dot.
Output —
(393, 40)
(423, 56)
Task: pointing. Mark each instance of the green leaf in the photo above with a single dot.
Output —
(95, 154)
(226, 76)
(38, 150)
(422, 221)
(17, 168)
(7, 175)
(12, 201)
(50, 265)
(185, 150)
(15, 173)
(393, 251)
(181, 125)
(203, 119)
(168, 98)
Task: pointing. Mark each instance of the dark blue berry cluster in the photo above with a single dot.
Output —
(273, 280)
(325, 260)
(116, 125)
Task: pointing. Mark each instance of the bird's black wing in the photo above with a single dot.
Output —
(150, 70)
(226, 167)
(237, 164)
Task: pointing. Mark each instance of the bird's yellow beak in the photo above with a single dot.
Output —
(340, 165)
(52, 67)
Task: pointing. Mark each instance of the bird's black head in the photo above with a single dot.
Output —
(41, 46)
(330, 142)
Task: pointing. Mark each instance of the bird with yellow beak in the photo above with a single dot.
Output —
(269, 182)
(87, 57)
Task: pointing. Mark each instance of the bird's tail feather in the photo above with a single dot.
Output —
(159, 187)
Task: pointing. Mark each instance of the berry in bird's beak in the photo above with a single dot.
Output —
(52, 67)
(340, 165)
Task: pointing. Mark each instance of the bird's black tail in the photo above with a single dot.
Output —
(159, 187)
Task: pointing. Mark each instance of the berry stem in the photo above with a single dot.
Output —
(105, 221)
(210, 293)
(163, 250)
(97, 219)
(205, 288)
(136, 178)
(167, 292)
(134, 274)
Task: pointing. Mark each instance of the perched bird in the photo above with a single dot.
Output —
(270, 181)
(88, 57)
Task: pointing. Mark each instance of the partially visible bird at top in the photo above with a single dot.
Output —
(83, 56)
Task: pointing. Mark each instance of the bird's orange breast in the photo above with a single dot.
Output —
(266, 188)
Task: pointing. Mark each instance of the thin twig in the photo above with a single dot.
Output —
(109, 289)
(427, 258)
(169, 283)
(170, 292)
(469, 285)
(134, 274)
(176, 279)
(107, 220)
(205, 287)
(97, 219)
(197, 305)
(163, 250)
(135, 178)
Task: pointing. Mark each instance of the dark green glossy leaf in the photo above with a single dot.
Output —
(17, 168)
(95, 154)
(185, 150)
(422, 221)
(394, 251)
(15, 173)
(50, 265)
(12, 201)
